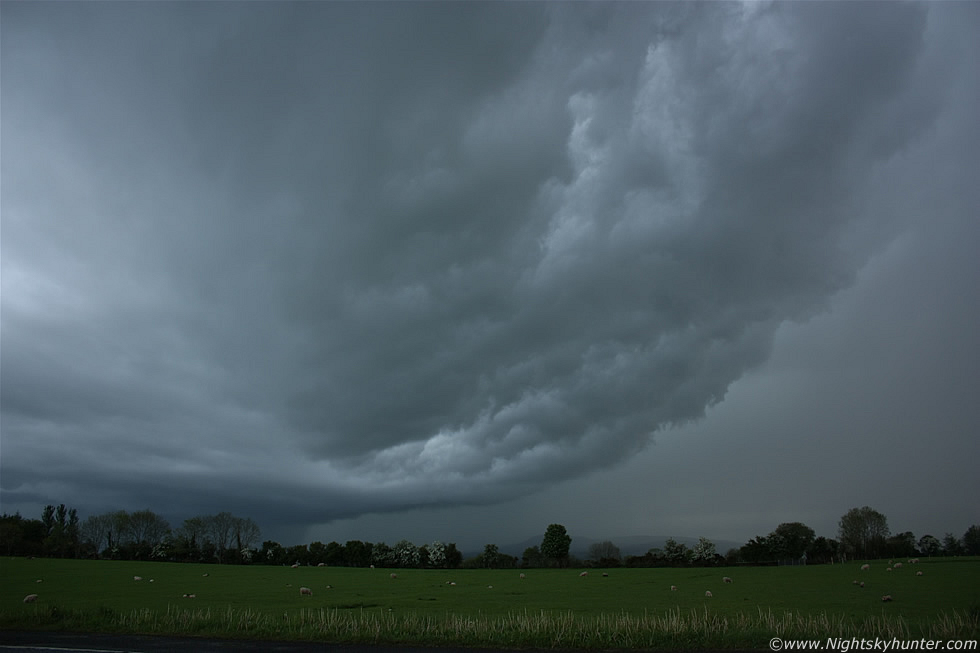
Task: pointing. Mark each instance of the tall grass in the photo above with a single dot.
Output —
(672, 629)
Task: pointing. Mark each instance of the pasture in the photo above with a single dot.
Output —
(629, 608)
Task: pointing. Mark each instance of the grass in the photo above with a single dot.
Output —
(551, 608)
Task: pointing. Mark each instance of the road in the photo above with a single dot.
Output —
(25, 642)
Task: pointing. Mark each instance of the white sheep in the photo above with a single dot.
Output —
(889, 569)
(865, 567)
(305, 591)
(523, 576)
(137, 578)
(886, 598)
(707, 594)
(584, 573)
(726, 579)
(898, 565)
(861, 583)
(30, 598)
(673, 588)
(394, 575)
(918, 573)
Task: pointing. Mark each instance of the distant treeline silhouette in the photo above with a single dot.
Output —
(226, 539)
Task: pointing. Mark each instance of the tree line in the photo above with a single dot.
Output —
(863, 533)
(122, 535)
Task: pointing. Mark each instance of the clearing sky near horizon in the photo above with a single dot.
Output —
(681, 268)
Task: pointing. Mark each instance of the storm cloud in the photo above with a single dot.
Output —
(307, 261)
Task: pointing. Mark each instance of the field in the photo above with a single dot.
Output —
(629, 608)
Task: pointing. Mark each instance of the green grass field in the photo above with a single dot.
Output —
(550, 607)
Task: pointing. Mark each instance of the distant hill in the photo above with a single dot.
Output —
(629, 545)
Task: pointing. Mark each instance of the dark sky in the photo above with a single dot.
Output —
(460, 270)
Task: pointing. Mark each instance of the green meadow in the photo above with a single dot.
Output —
(628, 608)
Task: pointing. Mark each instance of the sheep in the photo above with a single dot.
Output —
(861, 584)
(489, 587)
(452, 584)
(30, 598)
(295, 565)
(889, 569)
(305, 591)
(726, 579)
(673, 588)
(523, 576)
(914, 561)
(855, 582)
(865, 567)
(707, 594)
(898, 565)
(204, 575)
(393, 576)
(886, 598)
(918, 573)
(605, 575)
(39, 580)
(137, 578)
(583, 574)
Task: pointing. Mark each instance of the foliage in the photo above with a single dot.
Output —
(971, 541)
(863, 532)
(703, 552)
(604, 553)
(556, 543)
(929, 545)
(490, 555)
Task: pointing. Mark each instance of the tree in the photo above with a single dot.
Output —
(901, 545)
(406, 554)
(96, 531)
(246, 532)
(863, 532)
(357, 553)
(490, 554)
(605, 553)
(556, 543)
(951, 545)
(437, 554)
(822, 550)
(703, 552)
(796, 539)
(454, 556)
(146, 529)
(382, 555)
(532, 557)
(675, 554)
(930, 545)
(971, 540)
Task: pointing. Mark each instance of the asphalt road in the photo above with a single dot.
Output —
(25, 641)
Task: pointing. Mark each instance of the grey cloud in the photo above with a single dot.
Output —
(377, 256)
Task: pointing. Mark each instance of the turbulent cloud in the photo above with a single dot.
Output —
(387, 255)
